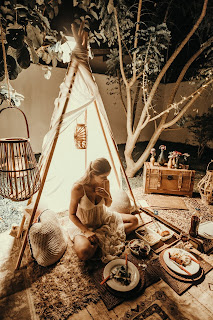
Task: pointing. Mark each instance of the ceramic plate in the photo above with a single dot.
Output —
(193, 267)
(206, 227)
(114, 284)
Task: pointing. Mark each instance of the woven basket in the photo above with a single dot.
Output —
(205, 186)
(19, 173)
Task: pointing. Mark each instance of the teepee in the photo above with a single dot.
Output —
(85, 113)
(61, 163)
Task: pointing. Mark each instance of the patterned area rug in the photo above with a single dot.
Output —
(62, 289)
(155, 307)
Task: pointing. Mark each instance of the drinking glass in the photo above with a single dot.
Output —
(184, 236)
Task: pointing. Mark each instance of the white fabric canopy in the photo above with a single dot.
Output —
(68, 162)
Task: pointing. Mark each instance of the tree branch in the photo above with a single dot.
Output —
(176, 52)
(186, 107)
(185, 68)
(135, 104)
(136, 39)
(129, 111)
(120, 48)
(121, 95)
(167, 11)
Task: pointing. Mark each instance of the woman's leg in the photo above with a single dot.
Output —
(130, 222)
(83, 247)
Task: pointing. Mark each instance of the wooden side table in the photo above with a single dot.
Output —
(161, 179)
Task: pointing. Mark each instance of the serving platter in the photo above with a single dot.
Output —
(159, 226)
(114, 284)
(148, 235)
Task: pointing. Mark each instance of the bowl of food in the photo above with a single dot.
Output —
(139, 247)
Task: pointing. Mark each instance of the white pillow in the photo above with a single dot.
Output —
(47, 240)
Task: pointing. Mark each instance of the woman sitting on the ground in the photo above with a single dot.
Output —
(91, 224)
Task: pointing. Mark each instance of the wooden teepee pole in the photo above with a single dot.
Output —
(113, 164)
(124, 173)
(107, 144)
(74, 65)
(86, 138)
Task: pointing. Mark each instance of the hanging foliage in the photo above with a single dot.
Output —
(26, 29)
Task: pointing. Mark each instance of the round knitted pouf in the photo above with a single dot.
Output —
(120, 202)
(47, 240)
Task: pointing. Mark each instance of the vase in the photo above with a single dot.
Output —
(173, 161)
(152, 160)
(176, 166)
(161, 158)
(170, 163)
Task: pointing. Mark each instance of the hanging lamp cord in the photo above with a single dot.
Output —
(5, 64)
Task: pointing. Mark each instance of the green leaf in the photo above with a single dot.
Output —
(35, 35)
(40, 2)
(94, 14)
(55, 10)
(34, 56)
(54, 61)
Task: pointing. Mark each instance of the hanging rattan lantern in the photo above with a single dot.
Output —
(205, 186)
(80, 136)
(19, 173)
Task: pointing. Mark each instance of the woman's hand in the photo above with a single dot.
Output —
(91, 236)
(102, 193)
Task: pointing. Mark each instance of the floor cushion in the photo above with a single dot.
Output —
(120, 202)
(47, 239)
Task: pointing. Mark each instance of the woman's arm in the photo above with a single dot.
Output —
(76, 195)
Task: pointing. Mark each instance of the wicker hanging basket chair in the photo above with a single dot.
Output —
(19, 173)
(80, 136)
(205, 186)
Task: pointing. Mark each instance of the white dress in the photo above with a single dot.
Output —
(108, 226)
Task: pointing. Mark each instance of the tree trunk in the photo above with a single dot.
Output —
(133, 167)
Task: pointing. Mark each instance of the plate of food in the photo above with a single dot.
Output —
(162, 230)
(119, 279)
(181, 261)
(205, 229)
(148, 235)
(139, 247)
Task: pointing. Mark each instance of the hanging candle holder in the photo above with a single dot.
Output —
(80, 136)
(19, 173)
(205, 186)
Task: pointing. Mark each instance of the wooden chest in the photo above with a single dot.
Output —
(161, 179)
